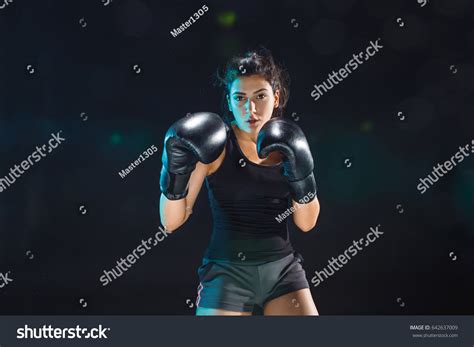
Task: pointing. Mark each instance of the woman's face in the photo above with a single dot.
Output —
(252, 101)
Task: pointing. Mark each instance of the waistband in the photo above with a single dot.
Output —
(295, 254)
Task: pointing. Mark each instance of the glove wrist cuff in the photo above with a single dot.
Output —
(304, 191)
(174, 186)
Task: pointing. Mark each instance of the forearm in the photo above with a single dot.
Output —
(172, 213)
(306, 215)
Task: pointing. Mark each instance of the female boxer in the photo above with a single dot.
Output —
(258, 169)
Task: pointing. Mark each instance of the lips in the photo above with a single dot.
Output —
(252, 121)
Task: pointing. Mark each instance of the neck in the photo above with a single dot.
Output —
(242, 135)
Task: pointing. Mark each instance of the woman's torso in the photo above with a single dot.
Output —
(245, 199)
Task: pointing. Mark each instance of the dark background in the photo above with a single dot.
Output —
(89, 70)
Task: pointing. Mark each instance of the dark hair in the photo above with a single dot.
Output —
(254, 62)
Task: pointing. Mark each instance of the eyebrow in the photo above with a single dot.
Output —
(255, 92)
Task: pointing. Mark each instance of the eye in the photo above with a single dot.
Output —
(238, 98)
(261, 96)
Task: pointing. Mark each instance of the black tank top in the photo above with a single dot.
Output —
(245, 199)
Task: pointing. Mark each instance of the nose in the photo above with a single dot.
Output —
(250, 106)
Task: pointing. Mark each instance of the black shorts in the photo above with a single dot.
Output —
(231, 286)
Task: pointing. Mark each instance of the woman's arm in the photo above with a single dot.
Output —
(306, 215)
(279, 134)
(174, 213)
(190, 141)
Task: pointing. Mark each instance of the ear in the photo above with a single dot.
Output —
(277, 98)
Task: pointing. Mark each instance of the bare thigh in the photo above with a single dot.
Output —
(297, 303)
(203, 311)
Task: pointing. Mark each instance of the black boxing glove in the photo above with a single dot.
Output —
(197, 137)
(282, 135)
